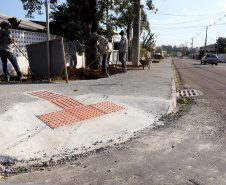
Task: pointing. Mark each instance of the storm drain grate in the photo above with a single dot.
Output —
(67, 103)
(187, 93)
(47, 95)
(74, 111)
(107, 107)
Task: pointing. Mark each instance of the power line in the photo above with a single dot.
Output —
(185, 15)
(214, 17)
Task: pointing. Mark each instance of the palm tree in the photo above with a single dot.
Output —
(126, 18)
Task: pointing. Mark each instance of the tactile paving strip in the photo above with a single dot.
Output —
(107, 107)
(187, 93)
(85, 112)
(74, 111)
(59, 118)
(67, 103)
(47, 95)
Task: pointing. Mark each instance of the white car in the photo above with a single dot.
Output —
(209, 58)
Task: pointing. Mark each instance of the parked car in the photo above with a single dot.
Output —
(209, 58)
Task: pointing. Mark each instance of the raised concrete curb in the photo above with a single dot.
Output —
(173, 99)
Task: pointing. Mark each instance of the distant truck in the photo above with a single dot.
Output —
(179, 54)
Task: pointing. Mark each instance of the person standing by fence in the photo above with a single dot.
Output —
(122, 51)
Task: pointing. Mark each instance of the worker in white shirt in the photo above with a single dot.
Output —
(104, 47)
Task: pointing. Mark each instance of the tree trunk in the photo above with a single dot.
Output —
(87, 13)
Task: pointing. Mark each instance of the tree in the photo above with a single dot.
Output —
(14, 22)
(125, 19)
(148, 41)
(183, 48)
(65, 23)
(136, 30)
(90, 14)
(221, 45)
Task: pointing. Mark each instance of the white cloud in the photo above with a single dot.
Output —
(185, 11)
(169, 20)
(153, 20)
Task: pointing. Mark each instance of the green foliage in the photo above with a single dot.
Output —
(35, 5)
(19, 170)
(184, 100)
(172, 54)
(221, 45)
(159, 51)
(202, 53)
(14, 23)
(125, 12)
(65, 23)
(143, 52)
(148, 41)
(79, 18)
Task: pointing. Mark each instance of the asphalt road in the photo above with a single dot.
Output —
(209, 79)
(185, 148)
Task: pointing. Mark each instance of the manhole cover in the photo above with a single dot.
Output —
(187, 93)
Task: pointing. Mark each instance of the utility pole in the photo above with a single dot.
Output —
(47, 35)
(192, 44)
(217, 46)
(206, 38)
(186, 49)
(136, 33)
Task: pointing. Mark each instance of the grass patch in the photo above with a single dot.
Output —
(156, 60)
(179, 85)
(184, 100)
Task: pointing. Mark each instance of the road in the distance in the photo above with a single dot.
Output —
(209, 79)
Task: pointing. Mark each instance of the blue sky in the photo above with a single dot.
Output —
(176, 22)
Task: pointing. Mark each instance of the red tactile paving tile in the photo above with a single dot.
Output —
(67, 103)
(47, 95)
(74, 111)
(107, 107)
(59, 118)
(85, 112)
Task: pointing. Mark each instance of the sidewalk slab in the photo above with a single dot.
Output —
(145, 96)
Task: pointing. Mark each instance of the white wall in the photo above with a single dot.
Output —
(23, 38)
(81, 59)
(222, 57)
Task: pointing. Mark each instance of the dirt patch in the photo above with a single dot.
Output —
(75, 74)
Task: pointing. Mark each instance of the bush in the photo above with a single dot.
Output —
(143, 52)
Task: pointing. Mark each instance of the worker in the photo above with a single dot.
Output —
(6, 51)
(122, 51)
(104, 47)
(109, 57)
(72, 49)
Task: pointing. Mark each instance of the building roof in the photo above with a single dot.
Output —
(211, 47)
(26, 24)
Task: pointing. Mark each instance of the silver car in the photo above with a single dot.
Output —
(209, 58)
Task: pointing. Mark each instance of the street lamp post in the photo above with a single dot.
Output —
(47, 34)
